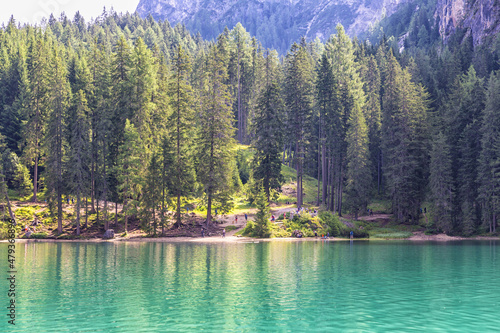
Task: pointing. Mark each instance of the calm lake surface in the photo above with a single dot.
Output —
(277, 286)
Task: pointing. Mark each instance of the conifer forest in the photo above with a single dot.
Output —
(146, 117)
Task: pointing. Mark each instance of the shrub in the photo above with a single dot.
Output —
(249, 229)
(39, 235)
(230, 228)
(302, 219)
(333, 223)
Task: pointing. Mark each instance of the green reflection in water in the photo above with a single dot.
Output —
(276, 286)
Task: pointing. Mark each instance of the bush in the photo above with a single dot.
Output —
(333, 223)
(249, 229)
(230, 228)
(302, 219)
(39, 235)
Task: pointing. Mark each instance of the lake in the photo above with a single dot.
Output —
(277, 286)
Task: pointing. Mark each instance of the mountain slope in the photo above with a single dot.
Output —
(277, 23)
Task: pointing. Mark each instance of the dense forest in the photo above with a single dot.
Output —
(147, 116)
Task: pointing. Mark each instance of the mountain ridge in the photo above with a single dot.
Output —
(272, 20)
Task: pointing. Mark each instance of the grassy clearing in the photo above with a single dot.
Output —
(391, 235)
(310, 185)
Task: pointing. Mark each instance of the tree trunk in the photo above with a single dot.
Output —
(297, 166)
(126, 215)
(319, 162)
(116, 213)
(331, 181)
(35, 179)
(178, 217)
(59, 210)
(9, 207)
(379, 170)
(341, 178)
(86, 211)
(92, 185)
(240, 115)
(494, 222)
(209, 209)
(154, 219)
(78, 213)
(324, 175)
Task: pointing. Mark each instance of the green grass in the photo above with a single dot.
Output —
(310, 185)
(26, 213)
(230, 228)
(392, 235)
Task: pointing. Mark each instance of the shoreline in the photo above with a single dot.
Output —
(417, 237)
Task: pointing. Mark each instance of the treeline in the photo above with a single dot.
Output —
(144, 115)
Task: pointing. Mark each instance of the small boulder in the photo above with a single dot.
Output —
(109, 234)
(28, 233)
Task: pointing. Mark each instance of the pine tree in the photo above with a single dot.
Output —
(489, 161)
(36, 108)
(129, 171)
(329, 120)
(349, 96)
(55, 141)
(240, 38)
(373, 117)
(142, 82)
(121, 102)
(441, 183)
(262, 225)
(3, 183)
(215, 139)
(268, 138)
(181, 123)
(404, 141)
(152, 191)
(298, 100)
(462, 120)
(358, 162)
(79, 155)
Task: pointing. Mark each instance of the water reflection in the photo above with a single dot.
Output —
(270, 286)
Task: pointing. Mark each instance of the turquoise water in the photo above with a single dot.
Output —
(274, 286)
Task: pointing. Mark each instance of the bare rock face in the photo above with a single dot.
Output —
(480, 17)
(310, 18)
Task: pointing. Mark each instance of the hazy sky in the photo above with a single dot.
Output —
(33, 11)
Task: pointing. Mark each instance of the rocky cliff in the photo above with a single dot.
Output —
(480, 17)
(277, 23)
(271, 20)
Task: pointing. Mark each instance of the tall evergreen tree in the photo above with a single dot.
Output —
(215, 140)
(358, 162)
(181, 122)
(36, 108)
(79, 154)
(298, 99)
(268, 138)
(463, 122)
(441, 183)
(329, 119)
(404, 141)
(55, 141)
(129, 172)
(489, 161)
